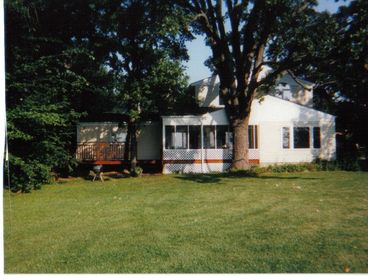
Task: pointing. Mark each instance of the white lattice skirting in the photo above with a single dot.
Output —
(195, 161)
(196, 168)
(209, 154)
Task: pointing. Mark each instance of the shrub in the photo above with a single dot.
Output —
(349, 165)
(27, 175)
(301, 167)
(344, 164)
(252, 172)
(317, 165)
(137, 171)
(325, 165)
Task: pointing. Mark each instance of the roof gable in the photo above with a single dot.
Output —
(270, 108)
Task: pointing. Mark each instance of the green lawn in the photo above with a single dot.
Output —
(301, 222)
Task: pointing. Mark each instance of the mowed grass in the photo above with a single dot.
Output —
(302, 222)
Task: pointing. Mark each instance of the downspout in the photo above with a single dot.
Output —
(201, 145)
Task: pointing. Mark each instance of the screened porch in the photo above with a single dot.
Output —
(201, 144)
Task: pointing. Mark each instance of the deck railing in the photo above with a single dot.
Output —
(100, 151)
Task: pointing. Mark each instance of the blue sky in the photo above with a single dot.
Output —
(199, 52)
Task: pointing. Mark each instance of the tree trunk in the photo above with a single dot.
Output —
(127, 146)
(133, 146)
(240, 150)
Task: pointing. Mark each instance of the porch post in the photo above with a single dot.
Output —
(163, 145)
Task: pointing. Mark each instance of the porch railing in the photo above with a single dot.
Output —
(100, 151)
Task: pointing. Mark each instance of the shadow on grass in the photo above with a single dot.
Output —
(90, 178)
(215, 178)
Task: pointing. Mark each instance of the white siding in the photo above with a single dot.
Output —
(214, 118)
(207, 92)
(271, 150)
(272, 109)
(272, 114)
(301, 91)
(97, 132)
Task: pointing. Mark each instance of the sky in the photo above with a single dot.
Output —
(199, 52)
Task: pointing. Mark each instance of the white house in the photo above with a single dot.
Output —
(283, 128)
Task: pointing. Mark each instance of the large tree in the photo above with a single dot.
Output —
(245, 36)
(145, 42)
(339, 69)
(51, 75)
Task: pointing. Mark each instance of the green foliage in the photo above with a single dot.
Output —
(317, 165)
(146, 46)
(27, 175)
(144, 49)
(292, 168)
(136, 172)
(342, 164)
(51, 76)
(337, 67)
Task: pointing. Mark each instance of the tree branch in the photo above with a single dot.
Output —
(292, 75)
(234, 15)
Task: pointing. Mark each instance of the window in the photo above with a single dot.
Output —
(285, 138)
(181, 137)
(229, 139)
(194, 137)
(223, 137)
(253, 137)
(283, 91)
(209, 137)
(169, 137)
(176, 137)
(316, 137)
(189, 137)
(301, 137)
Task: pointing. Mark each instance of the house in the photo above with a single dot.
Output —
(283, 128)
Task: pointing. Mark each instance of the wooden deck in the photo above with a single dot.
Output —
(102, 152)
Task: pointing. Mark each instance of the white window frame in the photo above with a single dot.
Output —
(291, 136)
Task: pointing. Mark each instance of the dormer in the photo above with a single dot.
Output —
(287, 88)
(293, 89)
(207, 92)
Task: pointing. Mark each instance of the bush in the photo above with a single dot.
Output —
(283, 168)
(345, 164)
(301, 167)
(317, 165)
(27, 175)
(349, 165)
(252, 172)
(137, 171)
(325, 165)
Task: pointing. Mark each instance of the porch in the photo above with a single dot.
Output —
(202, 144)
(100, 152)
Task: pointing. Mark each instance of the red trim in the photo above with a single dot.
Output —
(207, 161)
(120, 162)
(104, 162)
